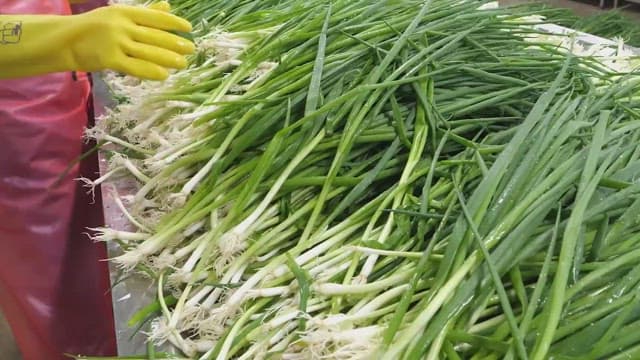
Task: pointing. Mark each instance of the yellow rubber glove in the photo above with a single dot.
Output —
(132, 40)
(161, 5)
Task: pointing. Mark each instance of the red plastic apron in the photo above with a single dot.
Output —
(88, 5)
(53, 288)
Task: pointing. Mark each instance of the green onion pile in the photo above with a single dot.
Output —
(608, 24)
(365, 179)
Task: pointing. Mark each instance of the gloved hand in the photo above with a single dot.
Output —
(132, 40)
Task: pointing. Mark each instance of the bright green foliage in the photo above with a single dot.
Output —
(400, 179)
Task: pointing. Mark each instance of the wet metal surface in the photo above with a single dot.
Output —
(134, 292)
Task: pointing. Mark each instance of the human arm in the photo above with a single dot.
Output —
(132, 40)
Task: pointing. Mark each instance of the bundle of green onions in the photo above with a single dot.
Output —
(608, 24)
(402, 179)
(611, 24)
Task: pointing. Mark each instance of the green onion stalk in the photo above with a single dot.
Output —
(380, 179)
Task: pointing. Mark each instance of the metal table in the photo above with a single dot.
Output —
(135, 292)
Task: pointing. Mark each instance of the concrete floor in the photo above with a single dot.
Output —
(8, 350)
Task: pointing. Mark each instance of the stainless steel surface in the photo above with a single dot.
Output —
(129, 295)
(135, 291)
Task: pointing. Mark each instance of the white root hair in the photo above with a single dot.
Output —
(130, 259)
(230, 246)
(336, 341)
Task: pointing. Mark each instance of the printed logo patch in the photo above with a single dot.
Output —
(10, 32)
